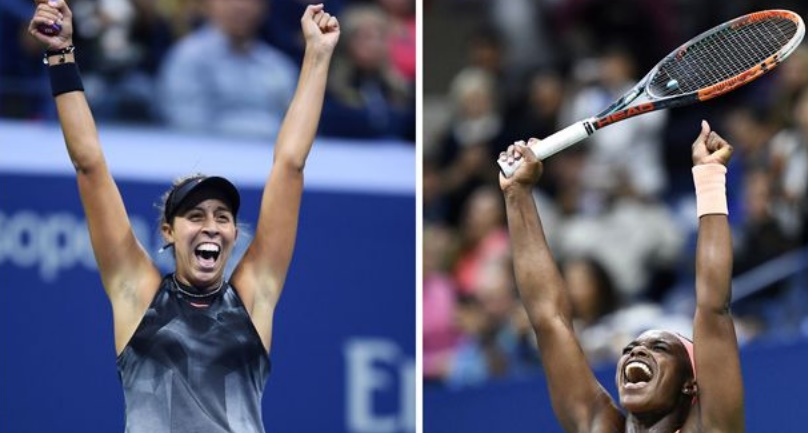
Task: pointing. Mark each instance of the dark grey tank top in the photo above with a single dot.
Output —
(194, 365)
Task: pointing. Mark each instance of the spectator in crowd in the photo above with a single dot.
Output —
(762, 238)
(498, 341)
(432, 195)
(133, 39)
(497, 294)
(789, 159)
(789, 81)
(440, 332)
(751, 129)
(632, 253)
(367, 97)
(591, 291)
(468, 144)
(240, 85)
(483, 239)
(402, 36)
(614, 74)
(538, 115)
(477, 358)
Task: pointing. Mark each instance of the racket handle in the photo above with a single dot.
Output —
(50, 30)
(554, 144)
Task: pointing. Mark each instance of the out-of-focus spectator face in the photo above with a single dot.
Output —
(476, 103)
(591, 291)
(617, 68)
(546, 93)
(437, 243)
(367, 38)
(582, 285)
(485, 52)
(495, 291)
(483, 214)
(470, 318)
(399, 8)
(473, 94)
(239, 19)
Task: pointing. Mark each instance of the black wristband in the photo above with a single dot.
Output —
(64, 78)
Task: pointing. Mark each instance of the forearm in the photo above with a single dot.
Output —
(537, 275)
(714, 264)
(78, 127)
(714, 247)
(299, 126)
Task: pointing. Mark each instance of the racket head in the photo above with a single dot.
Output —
(726, 56)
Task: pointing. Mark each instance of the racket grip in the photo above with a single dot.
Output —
(553, 144)
(50, 30)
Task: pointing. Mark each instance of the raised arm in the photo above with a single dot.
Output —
(126, 270)
(579, 401)
(716, 348)
(260, 276)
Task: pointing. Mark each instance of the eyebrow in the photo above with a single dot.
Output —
(216, 209)
(654, 341)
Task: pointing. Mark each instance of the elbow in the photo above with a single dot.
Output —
(713, 309)
(290, 163)
(713, 296)
(546, 317)
(709, 304)
(86, 163)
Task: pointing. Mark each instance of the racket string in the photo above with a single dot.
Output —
(720, 55)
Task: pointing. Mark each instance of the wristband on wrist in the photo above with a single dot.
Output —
(65, 78)
(63, 53)
(710, 182)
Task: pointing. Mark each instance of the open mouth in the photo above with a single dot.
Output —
(207, 254)
(637, 374)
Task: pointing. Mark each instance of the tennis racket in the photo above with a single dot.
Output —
(714, 63)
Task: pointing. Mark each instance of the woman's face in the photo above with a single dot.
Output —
(582, 286)
(652, 372)
(368, 44)
(203, 237)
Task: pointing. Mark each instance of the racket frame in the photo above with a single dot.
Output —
(645, 102)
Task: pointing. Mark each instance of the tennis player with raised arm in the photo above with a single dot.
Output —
(192, 345)
(665, 382)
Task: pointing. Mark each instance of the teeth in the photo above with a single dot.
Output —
(213, 248)
(643, 375)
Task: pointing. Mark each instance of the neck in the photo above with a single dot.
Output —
(669, 422)
(184, 285)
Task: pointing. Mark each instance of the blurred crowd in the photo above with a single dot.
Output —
(619, 208)
(220, 66)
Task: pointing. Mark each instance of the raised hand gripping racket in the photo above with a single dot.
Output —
(709, 65)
